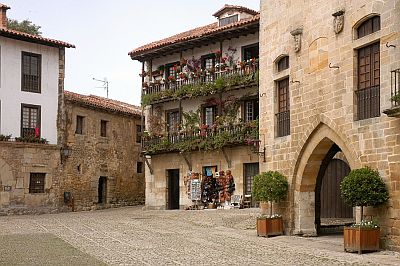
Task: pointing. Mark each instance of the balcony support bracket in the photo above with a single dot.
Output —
(188, 162)
(228, 161)
(149, 164)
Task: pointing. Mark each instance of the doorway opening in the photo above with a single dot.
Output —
(173, 189)
(102, 190)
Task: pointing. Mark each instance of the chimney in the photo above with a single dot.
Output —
(3, 16)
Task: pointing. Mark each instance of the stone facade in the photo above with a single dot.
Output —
(323, 103)
(17, 162)
(114, 156)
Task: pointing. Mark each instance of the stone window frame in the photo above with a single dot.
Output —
(357, 44)
(80, 125)
(284, 72)
(276, 105)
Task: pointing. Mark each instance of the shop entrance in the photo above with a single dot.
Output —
(173, 189)
(102, 190)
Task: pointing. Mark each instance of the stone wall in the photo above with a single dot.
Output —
(114, 157)
(17, 162)
(323, 102)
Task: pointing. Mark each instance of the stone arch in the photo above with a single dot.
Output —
(310, 158)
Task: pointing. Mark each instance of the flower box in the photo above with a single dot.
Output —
(269, 226)
(359, 239)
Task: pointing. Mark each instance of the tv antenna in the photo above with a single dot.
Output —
(105, 84)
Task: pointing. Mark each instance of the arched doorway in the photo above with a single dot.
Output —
(321, 147)
(331, 212)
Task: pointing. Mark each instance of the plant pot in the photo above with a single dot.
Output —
(269, 226)
(357, 239)
(263, 208)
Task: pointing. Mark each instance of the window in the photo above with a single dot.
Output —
(103, 128)
(283, 115)
(139, 167)
(36, 182)
(30, 120)
(283, 63)
(228, 20)
(249, 52)
(31, 72)
(79, 124)
(209, 114)
(368, 91)
(251, 110)
(171, 70)
(208, 61)
(173, 121)
(369, 26)
(138, 133)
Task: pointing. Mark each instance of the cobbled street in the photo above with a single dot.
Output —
(131, 236)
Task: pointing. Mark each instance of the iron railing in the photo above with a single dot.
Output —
(161, 86)
(368, 102)
(207, 138)
(283, 123)
(395, 85)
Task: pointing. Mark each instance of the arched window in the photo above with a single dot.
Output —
(369, 26)
(283, 63)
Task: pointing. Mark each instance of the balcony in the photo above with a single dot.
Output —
(394, 111)
(200, 84)
(205, 138)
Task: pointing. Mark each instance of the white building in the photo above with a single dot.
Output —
(30, 68)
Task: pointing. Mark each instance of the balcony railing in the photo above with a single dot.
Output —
(206, 138)
(368, 102)
(395, 85)
(193, 79)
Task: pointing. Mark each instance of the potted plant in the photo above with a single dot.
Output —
(363, 187)
(269, 187)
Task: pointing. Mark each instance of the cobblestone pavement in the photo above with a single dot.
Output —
(130, 236)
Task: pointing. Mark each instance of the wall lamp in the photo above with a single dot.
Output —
(65, 152)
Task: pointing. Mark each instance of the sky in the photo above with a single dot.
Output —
(104, 32)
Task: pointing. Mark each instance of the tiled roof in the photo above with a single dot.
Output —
(103, 103)
(192, 34)
(33, 38)
(240, 8)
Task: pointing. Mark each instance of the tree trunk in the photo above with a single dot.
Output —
(270, 209)
(362, 213)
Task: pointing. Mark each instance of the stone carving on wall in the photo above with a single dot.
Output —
(338, 21)
(297, 39)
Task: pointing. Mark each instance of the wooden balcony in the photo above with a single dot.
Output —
(204, 83)
(205, 138)
(394, 111)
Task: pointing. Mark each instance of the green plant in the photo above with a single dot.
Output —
(191, 119)
(5, 137)
(364, 187)
(31, 139)
(269, 187)
(396, 98)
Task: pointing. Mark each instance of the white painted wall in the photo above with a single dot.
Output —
(11, 95)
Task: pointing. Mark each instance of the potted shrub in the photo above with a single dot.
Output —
(269, 187)
(363, 187)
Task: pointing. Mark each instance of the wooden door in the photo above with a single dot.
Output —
(250, 170)
(332, 205)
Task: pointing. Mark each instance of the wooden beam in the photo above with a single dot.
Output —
(149, 165)
(189, 164)
(228, 161)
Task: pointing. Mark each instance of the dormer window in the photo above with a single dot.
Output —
(228, 20)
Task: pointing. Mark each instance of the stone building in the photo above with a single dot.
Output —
(328, 70)
(200, 89)
(32, 84)
(103, 166)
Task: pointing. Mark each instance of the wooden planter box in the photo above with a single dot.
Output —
(269, 226)
(361, 239)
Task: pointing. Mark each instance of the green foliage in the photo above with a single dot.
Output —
(191, 120)
(5, 137)
(24, 26)
(364, 187)
(221, 84)
(396, 98)
(31, 139)
(269, 186)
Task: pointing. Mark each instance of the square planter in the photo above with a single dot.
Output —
(361, 239)
(269, 226)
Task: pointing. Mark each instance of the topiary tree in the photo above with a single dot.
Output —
(364, 187)
(269, 187)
